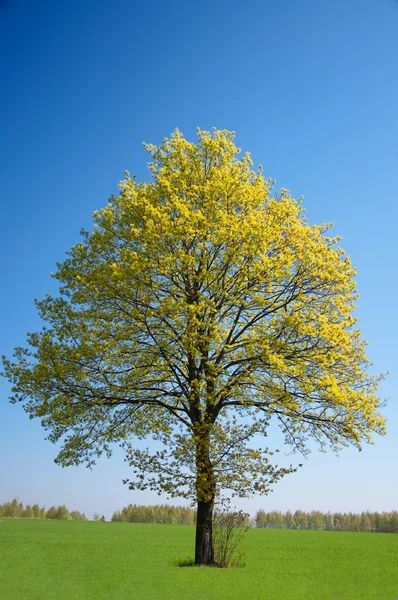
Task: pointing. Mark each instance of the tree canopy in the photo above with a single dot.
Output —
(201, 306)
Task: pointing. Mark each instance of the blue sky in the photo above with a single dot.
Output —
(311, 89)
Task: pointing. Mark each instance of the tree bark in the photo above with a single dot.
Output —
(204, 553)
(205, 495)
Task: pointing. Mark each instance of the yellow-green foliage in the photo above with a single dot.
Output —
(201, 305)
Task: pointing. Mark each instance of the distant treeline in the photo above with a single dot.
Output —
(161, 513)
(385, 522)
(17, 510)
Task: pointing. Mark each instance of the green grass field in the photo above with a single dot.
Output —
(71, 560)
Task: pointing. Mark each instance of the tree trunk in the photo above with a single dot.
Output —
(205, 494)
(204, 554)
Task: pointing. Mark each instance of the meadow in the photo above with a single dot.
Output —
(75, 560)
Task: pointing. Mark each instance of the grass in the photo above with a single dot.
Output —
(68, 560)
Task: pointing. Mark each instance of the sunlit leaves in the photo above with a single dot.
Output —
(199, 297)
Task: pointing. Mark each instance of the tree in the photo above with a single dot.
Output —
(199, 307)
(28, 513)
(37, 512)
(316, 520)
(289, 520)
(63, 513)
(51, 513)
(328, 520)
(261, 518)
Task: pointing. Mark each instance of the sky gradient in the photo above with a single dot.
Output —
(311, 89)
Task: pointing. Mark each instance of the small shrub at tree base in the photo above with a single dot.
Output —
(229, 528)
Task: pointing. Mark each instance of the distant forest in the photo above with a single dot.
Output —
(16, 509)
(385, 522)
(161, 513)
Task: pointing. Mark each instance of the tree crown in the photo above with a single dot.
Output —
(199, 307)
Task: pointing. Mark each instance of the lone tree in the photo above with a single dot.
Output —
(199, 307)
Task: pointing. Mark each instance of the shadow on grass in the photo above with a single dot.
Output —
(185, 562)
(189, 562)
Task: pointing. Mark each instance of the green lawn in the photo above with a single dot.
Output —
(68, 560)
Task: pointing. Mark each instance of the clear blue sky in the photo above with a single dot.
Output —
(310, 87)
